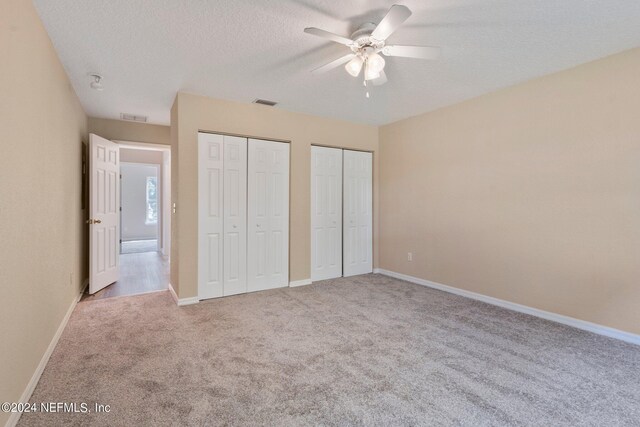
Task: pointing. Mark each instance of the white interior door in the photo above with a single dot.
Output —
(268, 215)
(326, 213)
(235, 215)
(210, 215)
(104, 212)
(358, 213)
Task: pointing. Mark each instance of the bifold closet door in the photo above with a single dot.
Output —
(326, 213)
(235, 216)
(210, 215)
(358, 212)
(268, 215)
(222, 215)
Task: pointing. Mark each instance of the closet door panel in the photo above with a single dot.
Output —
(279, 214)
(235, 215)
(268, 215)
(210, 215)
(358, 213)
(326, 213)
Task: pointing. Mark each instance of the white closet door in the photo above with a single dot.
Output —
(326, 213)
(235, 215)
(268, 215)
(358, 213)
(210, 215)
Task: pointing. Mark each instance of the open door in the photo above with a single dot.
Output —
(104, 212)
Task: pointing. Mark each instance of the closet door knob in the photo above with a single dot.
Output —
(235, 226)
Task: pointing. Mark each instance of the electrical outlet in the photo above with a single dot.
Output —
(409, 256)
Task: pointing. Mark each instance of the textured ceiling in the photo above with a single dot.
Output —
(240, 50)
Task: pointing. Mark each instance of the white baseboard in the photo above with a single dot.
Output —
(302, 282)
(182, 301)
(33, 382)
(173, 294)
(377, 271)
(554, 317)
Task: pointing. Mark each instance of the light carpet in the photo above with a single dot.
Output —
(366, 350)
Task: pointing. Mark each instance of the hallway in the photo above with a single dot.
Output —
(139, 246)
(139, 273)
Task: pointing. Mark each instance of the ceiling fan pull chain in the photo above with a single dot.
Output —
(364, 75)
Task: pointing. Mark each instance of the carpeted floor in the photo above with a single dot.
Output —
(367, 350)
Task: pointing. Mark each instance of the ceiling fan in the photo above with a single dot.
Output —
(368, 42)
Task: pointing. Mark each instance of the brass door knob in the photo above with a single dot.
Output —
(94, 221)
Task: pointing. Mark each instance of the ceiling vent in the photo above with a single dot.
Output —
(264, 102)
(133, 118)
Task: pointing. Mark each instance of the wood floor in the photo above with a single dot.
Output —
(139, 273)
(138, 246)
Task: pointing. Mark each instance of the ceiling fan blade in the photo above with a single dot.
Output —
(394, 18)
(380, 80)
(327, 35)
(333, 64)
(420, 52)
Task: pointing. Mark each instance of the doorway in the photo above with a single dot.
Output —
(142, 208)
(140, 205)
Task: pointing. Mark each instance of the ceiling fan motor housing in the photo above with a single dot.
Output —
(363, 43)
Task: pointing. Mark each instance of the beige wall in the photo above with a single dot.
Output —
(42, 126)
(130, 131)
(193, 113)
(530, 194)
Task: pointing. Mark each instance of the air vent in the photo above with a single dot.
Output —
(133, 118)
(264, 102)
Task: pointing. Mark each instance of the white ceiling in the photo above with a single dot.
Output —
(148, 50)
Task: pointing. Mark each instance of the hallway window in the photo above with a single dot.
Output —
(152, 200)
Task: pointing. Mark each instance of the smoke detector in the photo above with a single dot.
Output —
(264, 102)
(96, 84)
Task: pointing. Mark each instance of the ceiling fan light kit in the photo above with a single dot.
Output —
(375, 65)
(354, 66)
(368, 42)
